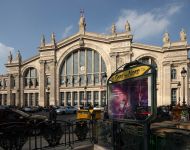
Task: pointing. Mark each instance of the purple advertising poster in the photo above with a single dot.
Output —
(129, 99)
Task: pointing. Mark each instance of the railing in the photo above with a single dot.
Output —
(17, 136)
(107, 133)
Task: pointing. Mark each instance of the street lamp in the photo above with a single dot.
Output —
(179, 86)
(183, 74)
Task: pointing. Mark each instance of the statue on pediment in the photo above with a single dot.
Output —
(53, 38)
(10, 57)
(166, 38)
(82, 23)
(183, 35)
(43, 41)
(127, 27)
(113, 29)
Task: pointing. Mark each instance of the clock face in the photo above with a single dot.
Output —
(82, 68)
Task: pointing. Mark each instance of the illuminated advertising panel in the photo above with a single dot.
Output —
(130, 93)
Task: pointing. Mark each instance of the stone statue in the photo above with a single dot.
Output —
(18, 56)
(82, 24)
(127, 27)
(43, 41)
(10, 57)
(166, 38)
(53, 38)
(113, 29)
(183, 35)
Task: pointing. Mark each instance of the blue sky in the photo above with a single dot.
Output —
(24, 21)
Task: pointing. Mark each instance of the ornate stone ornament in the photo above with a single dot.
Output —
(81, 42)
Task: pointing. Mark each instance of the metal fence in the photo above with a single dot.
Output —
(17, 136)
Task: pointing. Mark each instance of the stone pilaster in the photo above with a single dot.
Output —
(99, 97)
(167, 83)
(42, 95)
(9, 93)
(19, 92)
(53, 100)
(22, 99)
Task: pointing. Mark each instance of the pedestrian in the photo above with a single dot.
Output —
(52, 114)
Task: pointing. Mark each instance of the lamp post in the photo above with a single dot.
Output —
(179, 86)
(183, 74)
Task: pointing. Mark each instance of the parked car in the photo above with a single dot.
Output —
(15, 119)
(66, 110)
(99, 108)
(13, 115)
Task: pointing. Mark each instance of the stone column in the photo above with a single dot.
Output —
(92, 98)
(18, 92)
(99, 101)
(42, 95)
(20, 101)
(3, 100)
(78, 98)
(9, 93)
(71, 98)
(53, 84)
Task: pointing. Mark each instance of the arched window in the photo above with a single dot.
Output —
(82, 68)
(31, 77)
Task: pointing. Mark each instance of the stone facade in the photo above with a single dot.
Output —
(45, 79)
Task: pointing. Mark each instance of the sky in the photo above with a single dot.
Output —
(23, 22)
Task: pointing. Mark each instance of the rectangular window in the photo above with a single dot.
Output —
(13, 99)
(48, 80)
(75, 98)
(173, 73)
(62, 98)
(173, 96)
(37, 99)
(68, 98)
(96, 79)
(96, 98)
(103, 98)
(25, 99)
(88, 94)
(5, 99)
(89, 79)
(81, 98)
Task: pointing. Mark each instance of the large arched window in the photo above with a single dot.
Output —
(83, 67)
(31, 77)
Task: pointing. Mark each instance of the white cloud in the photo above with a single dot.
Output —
(148, 24)
(4, 53)
(67, 31)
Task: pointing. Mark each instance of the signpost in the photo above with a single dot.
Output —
(132, 103)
